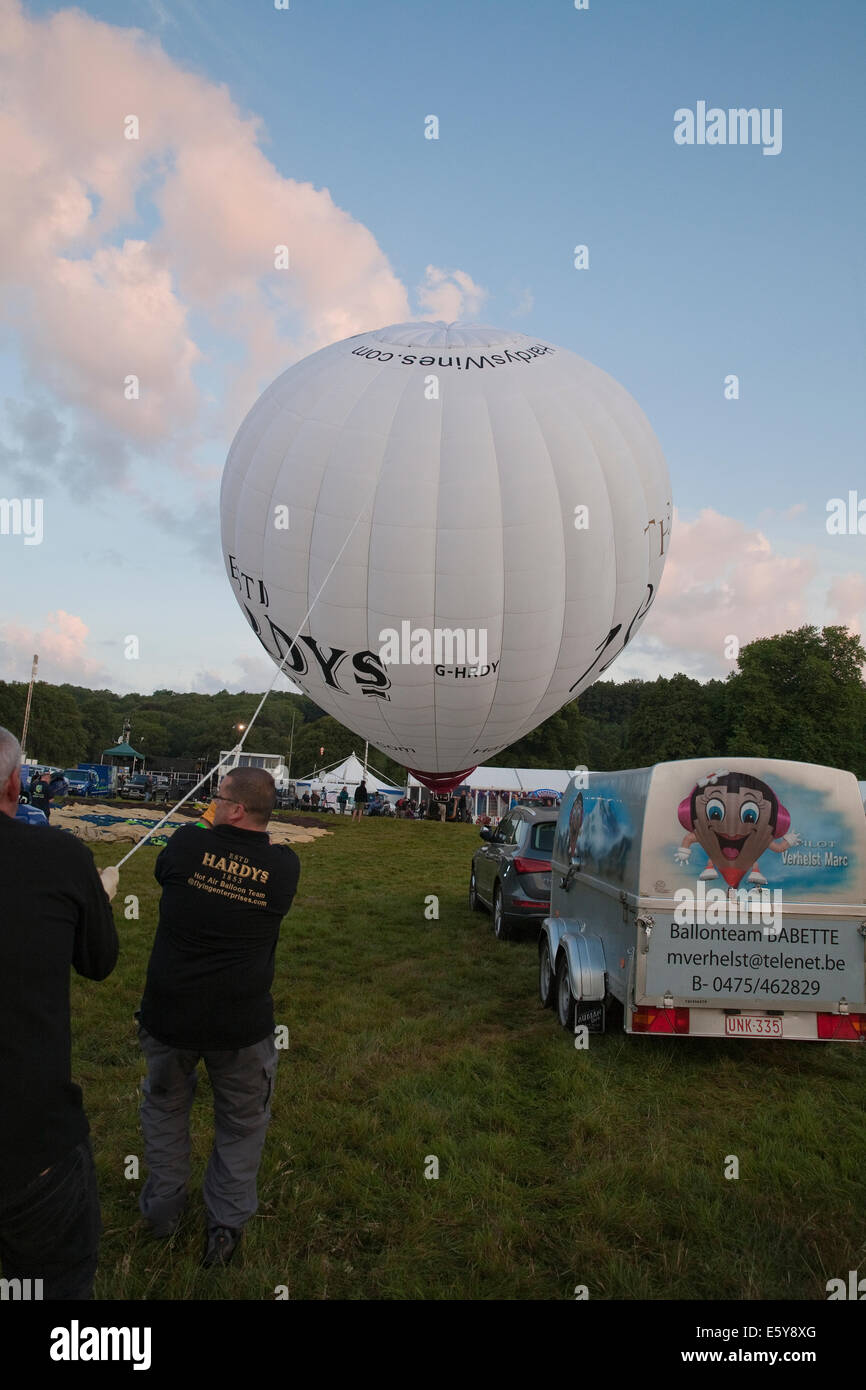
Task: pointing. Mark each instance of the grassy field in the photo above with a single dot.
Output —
(412, 1037)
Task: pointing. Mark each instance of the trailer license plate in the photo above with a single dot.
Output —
(752, 1026)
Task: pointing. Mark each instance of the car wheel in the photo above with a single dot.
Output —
(475, 903)
(564, 996)
(546, 977)
(501, 929)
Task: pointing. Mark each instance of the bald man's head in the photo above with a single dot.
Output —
(254, 789)
(10, 772)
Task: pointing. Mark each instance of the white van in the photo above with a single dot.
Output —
(716, 898)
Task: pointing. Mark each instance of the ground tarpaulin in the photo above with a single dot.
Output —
(103, 824)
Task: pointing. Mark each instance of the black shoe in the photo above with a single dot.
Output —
(222, 1242)
(165, 1228)
(162, 1230)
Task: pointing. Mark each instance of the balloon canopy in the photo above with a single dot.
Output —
(486, 516)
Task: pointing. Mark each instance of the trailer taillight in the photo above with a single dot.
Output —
(843, 1027)
(645, 1020)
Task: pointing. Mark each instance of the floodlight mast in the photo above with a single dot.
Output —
(27, 706)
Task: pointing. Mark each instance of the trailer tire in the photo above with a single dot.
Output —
(564, 996)
(546, 976)
(501, 929)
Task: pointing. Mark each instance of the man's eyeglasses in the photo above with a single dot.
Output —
(229, 799)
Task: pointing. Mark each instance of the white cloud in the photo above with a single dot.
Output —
(847, 600)
(449, 294)
(63, 649)
(90, 308)
(525, 304)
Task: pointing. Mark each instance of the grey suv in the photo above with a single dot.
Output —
(511, 872)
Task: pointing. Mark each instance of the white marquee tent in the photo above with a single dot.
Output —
(348, 774)
(494, 789)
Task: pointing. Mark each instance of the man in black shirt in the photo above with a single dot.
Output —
(360, 801)
(55, 913)
(225, 891)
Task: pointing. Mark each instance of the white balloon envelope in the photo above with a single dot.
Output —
(507, 508)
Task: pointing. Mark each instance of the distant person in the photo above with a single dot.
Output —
(360, 801)
(305, 801)
(225, 892)
(314, 800)
(43, 788)
(342, 798)
(462, 809)
(56, 914)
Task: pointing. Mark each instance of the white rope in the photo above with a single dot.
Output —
(238, 746)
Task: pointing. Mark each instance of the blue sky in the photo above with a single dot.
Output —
(556, 128)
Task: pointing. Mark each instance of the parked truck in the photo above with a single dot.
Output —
(708, 898)
(105, 775)
(81, 780)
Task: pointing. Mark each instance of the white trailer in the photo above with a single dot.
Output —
(714, 898)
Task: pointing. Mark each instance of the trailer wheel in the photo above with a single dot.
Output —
(501, 929)
(546, 977)
(564, 996)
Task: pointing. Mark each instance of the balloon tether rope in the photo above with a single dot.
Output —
(239, 745)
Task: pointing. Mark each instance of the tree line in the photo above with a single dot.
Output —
(798, 695)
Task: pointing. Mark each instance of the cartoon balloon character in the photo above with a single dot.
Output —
(734, 817)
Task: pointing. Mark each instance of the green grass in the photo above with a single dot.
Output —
(411, 1037)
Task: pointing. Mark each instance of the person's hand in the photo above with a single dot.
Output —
(683, 854)
(110, 878)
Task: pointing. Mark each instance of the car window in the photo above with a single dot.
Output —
(504, 829)
(513, 829)
(542, 835)
(518, 830)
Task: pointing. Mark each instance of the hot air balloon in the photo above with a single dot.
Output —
(469, 482)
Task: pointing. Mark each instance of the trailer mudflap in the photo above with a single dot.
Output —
(584, 952)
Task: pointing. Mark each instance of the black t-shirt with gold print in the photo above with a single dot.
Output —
(225, 892)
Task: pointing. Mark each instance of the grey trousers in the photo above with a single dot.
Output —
(242, 1082)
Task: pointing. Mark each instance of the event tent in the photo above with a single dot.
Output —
(494, 789)
(121, 751)
(348, 774)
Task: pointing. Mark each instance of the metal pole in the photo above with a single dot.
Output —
(27, 706)
(291, 746)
